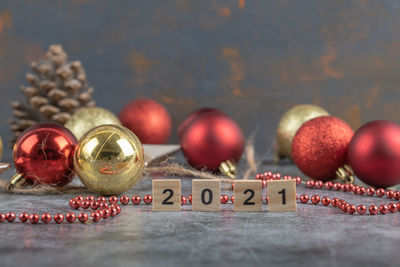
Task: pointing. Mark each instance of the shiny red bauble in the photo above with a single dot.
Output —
(44, 154)
(374, 153)
(148, 119)
(320, 146)
(210, 139)
(193, 116)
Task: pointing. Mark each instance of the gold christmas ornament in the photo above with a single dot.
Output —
(289, 124)
(85, 119)
(1, 147)
(109, 159)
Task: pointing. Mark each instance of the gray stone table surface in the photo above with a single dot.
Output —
(314, 236)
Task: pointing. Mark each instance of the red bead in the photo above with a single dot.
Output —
(71, 217)
(183, 200)
(344, 188)
(46, 217)
(44, 154)
(85, 204)
(328, 185)
(83, 217)
(103, 205)
(315, 199)
(335, 202)
(106, 213)
(113, 200)
(276, 176)
(23, 217)
(351, 209)
(266, 199)
(34, 218)
(298, 179)
(392, 207)
(344, 206)
(351, 187)
(370, 191)
(91, 199)
(233, 199)
(373, 209)
(79, 198)
(259, 176)
(356, 188)
(190, 199)
(94, 205)
(101, 199)
(59, 218)
(310, 183)
(118, 209)
(380, 192)
(73, 203)
(224, 199)
(124, 200)
(396, 195)
(383, 209)
(304, 198)
(10, 216)
(264, 183)
(337, 186)
(319, 184)
(267, 174)
(2, 217)
(148, 199)
(287, 177)
(361, 191)
(96, 216)
(325, 201)
(361, 209)
(389, 194)
(136, 200)
(233, 186)
(114, 211)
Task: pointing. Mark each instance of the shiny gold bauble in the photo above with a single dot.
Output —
(1, 147)
(109, 159)
(85, 119)
(289, 124)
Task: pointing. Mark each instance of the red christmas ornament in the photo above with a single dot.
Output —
(374, 153)
(44, 154)
(210, 139)
(320, 146)
(148, 119)
(193, 116)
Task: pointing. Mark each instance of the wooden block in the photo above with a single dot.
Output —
(167, 195)
(282, 195)
(206, 195)
(248, 195)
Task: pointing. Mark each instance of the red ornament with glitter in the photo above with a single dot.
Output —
(44, 154)
(210, 139)
(320, 146)
(148, 120)
(374, 153)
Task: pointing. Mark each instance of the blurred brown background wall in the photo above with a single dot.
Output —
(252, 59)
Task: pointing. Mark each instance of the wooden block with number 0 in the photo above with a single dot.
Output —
(167, 195)
(282, 195)
(248, 195)
(206, 195)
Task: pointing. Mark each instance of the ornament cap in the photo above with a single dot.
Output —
(17, 181)
(345, 174)
(228, 168)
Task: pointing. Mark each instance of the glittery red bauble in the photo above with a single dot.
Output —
(211, 139)
(44, 154)
(148, 119)
(193, 116)
(374, 153)
(320, 146)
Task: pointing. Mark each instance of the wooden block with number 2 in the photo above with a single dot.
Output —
(248, 195)
(167, 195)
(282, 195)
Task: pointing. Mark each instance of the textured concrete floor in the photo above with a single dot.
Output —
(314, 236)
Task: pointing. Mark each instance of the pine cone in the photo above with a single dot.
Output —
(56, 89)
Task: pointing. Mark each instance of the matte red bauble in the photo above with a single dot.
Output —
(320, 146)
(148, 120)
(44, 154)
(194, 115)
(211, 139)
(374, 153)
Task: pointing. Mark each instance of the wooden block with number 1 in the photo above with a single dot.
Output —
(167, 195)
(206, 195)
(282, 195)
(248, 195)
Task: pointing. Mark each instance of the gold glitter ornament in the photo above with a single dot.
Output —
(85, 119)
(109, 159)
(289, 124)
